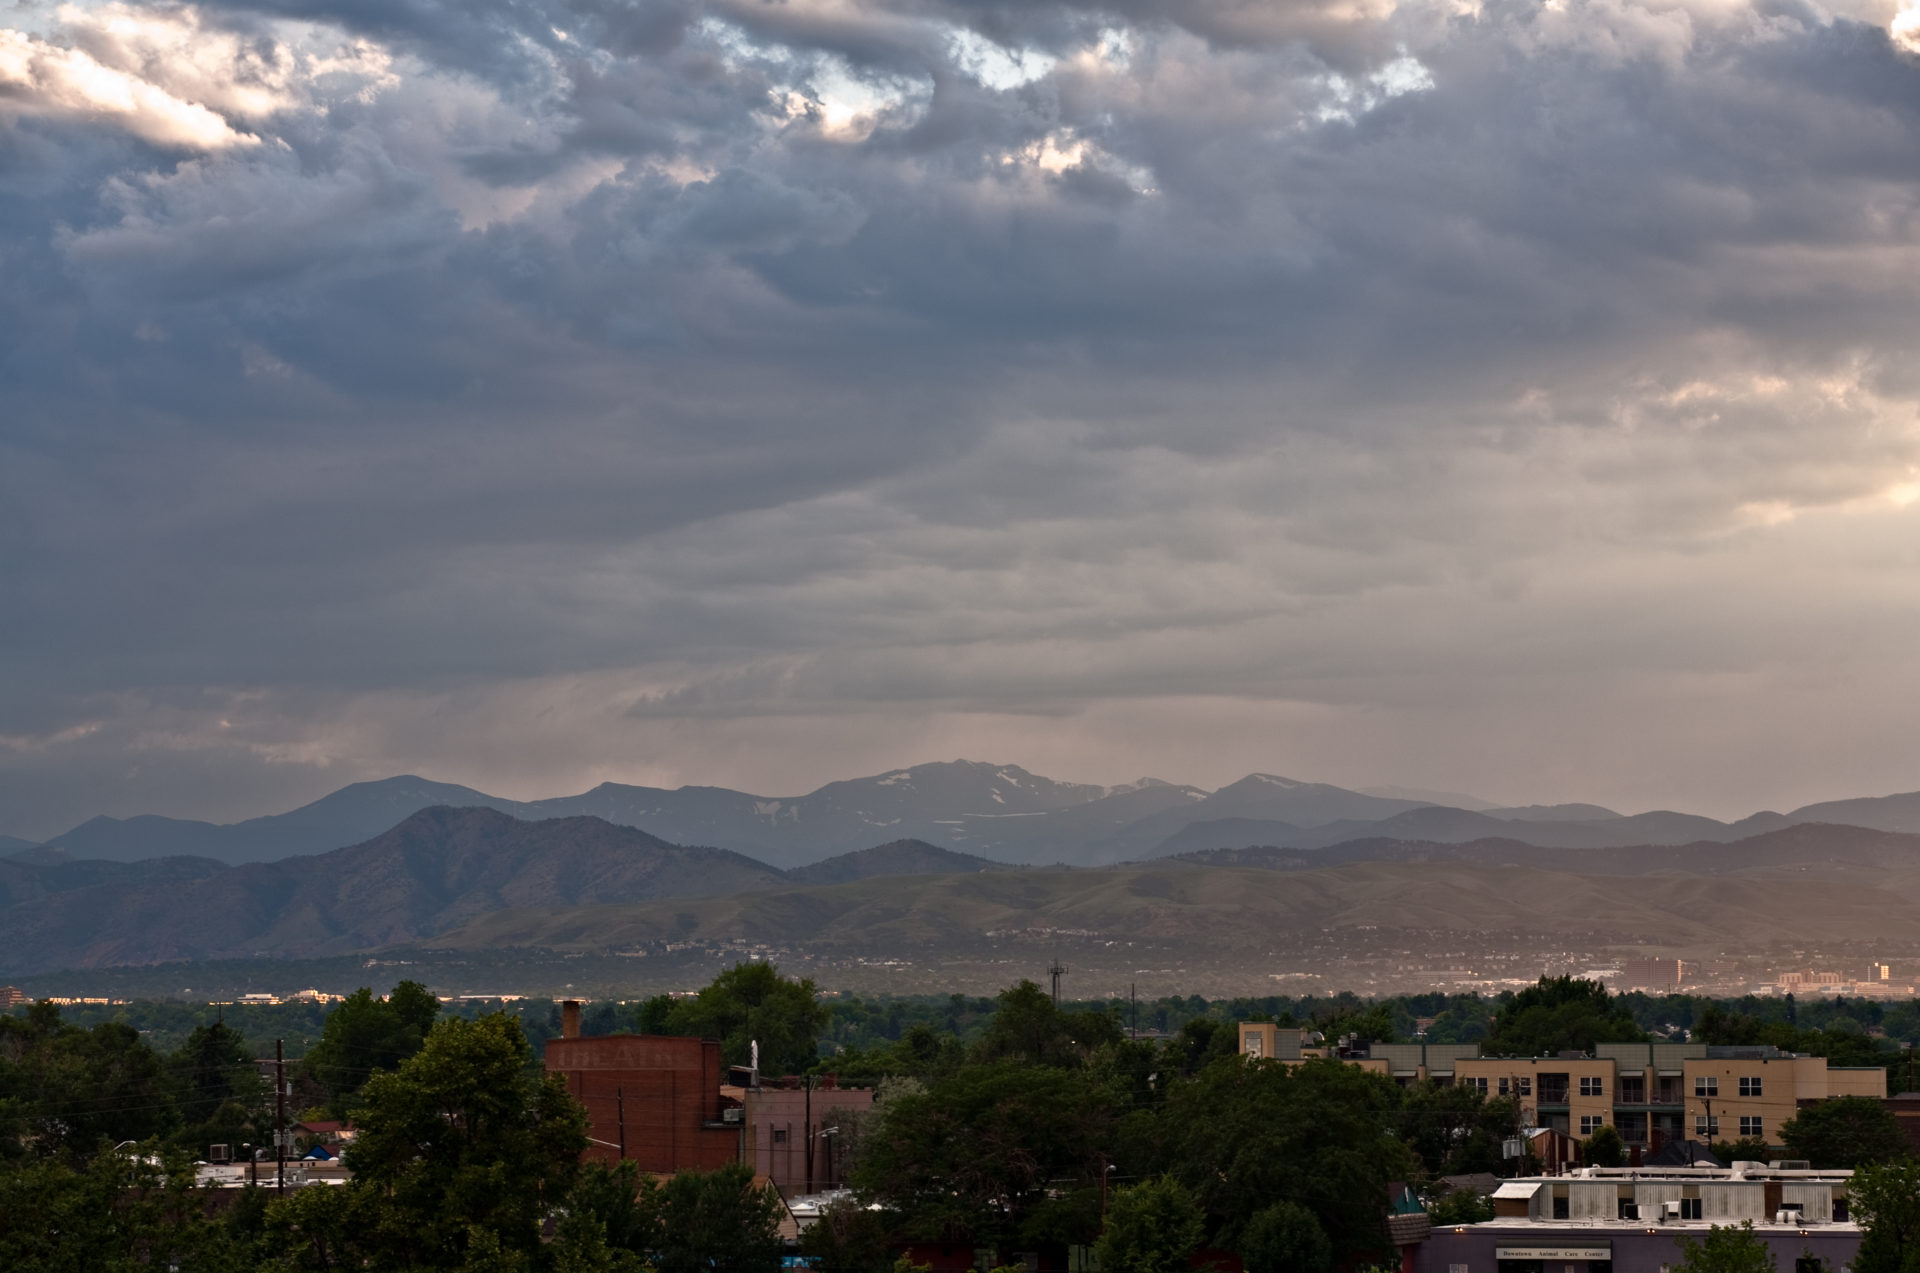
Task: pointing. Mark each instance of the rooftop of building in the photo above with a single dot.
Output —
(1739, 1171)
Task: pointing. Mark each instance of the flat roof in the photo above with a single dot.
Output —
(1516, 1224)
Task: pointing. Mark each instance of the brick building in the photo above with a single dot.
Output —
(651, 1099)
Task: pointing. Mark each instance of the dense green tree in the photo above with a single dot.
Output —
(981, 1155)
(1152, 1227)
(1559, 1014)
(921, 1052)
(652, 1016)
(1236, 1134)
(462, 1152)
(749, 1002)
(223, 1098)
(1461, 1206)
(712, 1222)
(1746, 1149)
(1201, 1042)
(122, 1213)
(1726, 1249)
(1885, 1200)
(74, 1090)
(1840, 1039)
(1285, 1238)
(611, 1196)
(1456, 1128)
(1027, 1026)
(365, 1035)
(1604, 1148)
(1845, 1131)
(847, 1238)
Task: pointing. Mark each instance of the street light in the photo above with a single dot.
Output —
(822, 1134)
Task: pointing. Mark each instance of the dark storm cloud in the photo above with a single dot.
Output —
(377, 376)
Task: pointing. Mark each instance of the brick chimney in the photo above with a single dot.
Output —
(570, 1019)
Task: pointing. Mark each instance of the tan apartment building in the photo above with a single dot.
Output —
(1652, 1093)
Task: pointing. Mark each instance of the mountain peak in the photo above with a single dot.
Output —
(896, 857)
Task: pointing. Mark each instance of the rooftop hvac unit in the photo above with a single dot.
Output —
(1670, 1210)
(1785, 1216)
(219, 1153)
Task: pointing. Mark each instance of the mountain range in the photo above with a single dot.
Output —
(998, 812)
(1802, 884)
(468, 877)
(437, 869)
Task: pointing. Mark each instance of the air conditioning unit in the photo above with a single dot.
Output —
(219, 1153)
(1670, 1211)
(732, 1115)
(1787, 1216)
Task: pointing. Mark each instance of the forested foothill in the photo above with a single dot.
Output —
(1011, 1124)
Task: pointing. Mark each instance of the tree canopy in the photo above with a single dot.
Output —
(1845, 1131)
(1885, 1200)
(748, 1002)
(1152, 1227)
(365, 1034)
(462, 1151)
(1559, 1014)
(1726, 1249)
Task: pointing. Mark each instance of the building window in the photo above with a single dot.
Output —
(1591, 1123)
(1250, 1043)
(1516, 1087)
(779, 1135)
(1590, 1085)
(1750, 1126)
(1704, 1126)
(1750, 1085)
(1706, 1085)
(1633, 1091)
(1690, 1208)
(1478, 1085)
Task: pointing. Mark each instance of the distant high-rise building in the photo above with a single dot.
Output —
(1652, 974)
(11, 998)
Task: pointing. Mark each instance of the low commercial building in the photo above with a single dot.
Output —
(793, 1133)
(1601, 1220)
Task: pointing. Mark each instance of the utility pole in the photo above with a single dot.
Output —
(1133, 1013)
(806, 1124)
(280, 1112)
(1056, 972)
(620, 1114)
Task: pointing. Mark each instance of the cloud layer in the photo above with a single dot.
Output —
(1499, 396)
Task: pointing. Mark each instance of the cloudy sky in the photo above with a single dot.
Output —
(1516, 397)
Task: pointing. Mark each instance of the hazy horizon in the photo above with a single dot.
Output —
(1478, 396)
